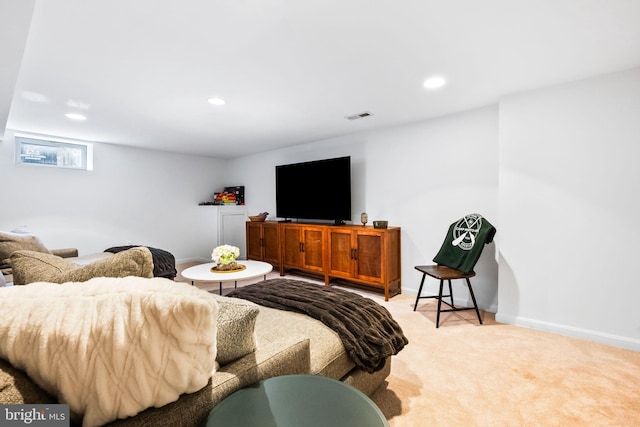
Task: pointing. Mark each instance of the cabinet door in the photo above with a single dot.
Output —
(291, 246)
(254, 241)
(312, 248)
(370, 256)
(270, 242)
(341, 253)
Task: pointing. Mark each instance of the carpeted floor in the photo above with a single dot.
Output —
(464, 374)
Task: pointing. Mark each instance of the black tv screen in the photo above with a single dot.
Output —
(319, 190)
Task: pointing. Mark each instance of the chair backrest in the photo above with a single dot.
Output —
(464, 242)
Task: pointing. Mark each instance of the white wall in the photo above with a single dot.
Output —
(131, 197)
(421, 177)
(569, 186)
(555, 170)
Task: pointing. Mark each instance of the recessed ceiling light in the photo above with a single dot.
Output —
(217, 101)
(435, 82)
(75, 116)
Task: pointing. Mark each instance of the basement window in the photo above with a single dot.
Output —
(70, 155)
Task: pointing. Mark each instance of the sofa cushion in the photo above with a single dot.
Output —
(30, 266)
(236, 328)
(16, 240)
(110, 347)
(328, 356)
(191, 410)
(89, 258)
(368, 332)
(65, 252)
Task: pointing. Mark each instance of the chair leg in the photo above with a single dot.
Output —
(473, 298)
(419, 291)
(439, 303)
(451, 294)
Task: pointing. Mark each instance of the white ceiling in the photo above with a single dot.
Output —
(290, 71)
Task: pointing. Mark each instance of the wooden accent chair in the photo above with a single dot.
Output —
(456, 259)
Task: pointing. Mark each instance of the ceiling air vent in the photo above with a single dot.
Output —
(359, 115)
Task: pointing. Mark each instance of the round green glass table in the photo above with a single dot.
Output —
(296, 401)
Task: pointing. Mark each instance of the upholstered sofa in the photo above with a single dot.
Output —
(254, 342)
(162, 263)
(286, 343)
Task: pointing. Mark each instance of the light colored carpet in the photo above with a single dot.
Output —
(464, 374)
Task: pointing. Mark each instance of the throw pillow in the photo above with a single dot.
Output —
(16, 240)
(29, 267)
(236, 328)
(110, 347)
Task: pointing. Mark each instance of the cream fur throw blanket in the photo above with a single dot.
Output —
(111, 347)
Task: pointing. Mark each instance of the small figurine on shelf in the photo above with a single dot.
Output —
(364, 218)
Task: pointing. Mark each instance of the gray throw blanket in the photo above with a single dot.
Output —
(368, 332)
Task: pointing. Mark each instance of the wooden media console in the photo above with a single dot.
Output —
(356, 254)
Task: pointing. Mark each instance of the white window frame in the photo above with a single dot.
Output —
(54, 153)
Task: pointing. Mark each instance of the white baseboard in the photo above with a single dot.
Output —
(570, 331)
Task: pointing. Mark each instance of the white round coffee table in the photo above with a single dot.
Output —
(203, 273)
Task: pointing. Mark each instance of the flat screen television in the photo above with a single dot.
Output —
(316, 190)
